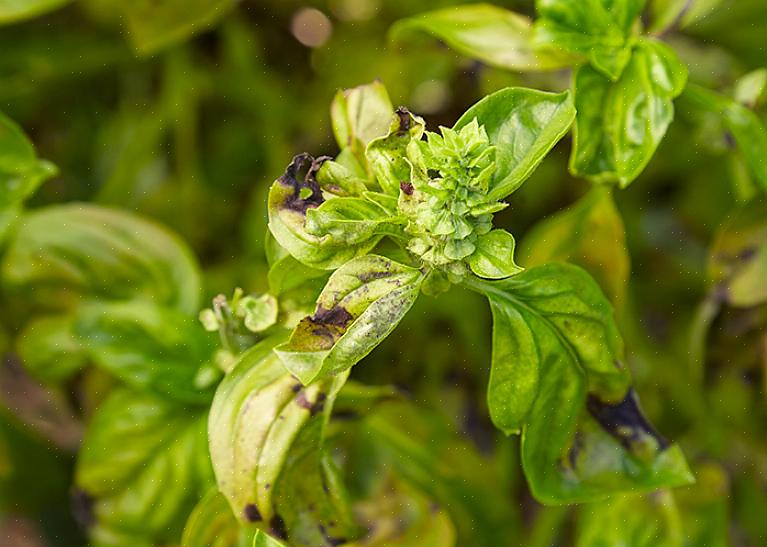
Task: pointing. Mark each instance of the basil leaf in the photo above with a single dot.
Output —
(494, 257)
(21, 172)
(350, 221)
(557, 341)
(523, 125)
(142, 462)
(153, 26)
(387, 155)
(621, 123)
(738, 257)
(359, 115)
(212, 524)
(64, 252)
(650, 520)
(488, 33)
(590, 234)
(261, 539)
(262, 426)
(12, 11)
(50, 349)
(600, 29)
(751, 88)
(289, 202)
(361, 304)
(288, 274)
(147, 346)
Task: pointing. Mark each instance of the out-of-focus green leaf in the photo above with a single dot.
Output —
(262, 539)
(12, 11)
(212, 524)
(621, 123)
(554, 341)
(50, 349)
(141, 465)
(650, 520)
(589, 233)
(361, 304)
(265, 434)
(63, 252)
(147, 347)
(599, 29)
(523, 125)
(491, 34)
(155, 24)
(738, 260)
(751, 88)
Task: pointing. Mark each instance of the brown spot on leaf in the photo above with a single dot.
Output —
(404, 119)
(251, 512)
(295, 202)
(406, 187)
(336, 315)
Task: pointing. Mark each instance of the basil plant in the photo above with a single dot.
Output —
(400, 212)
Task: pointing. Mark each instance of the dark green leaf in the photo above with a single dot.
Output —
(361, 304)
(147, 346)
(523, 125)
(64, 252)
(621, 123)
(488, 33)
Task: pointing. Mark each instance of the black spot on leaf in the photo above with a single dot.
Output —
(624, 420)
(277, 527)
(251, 512)
(295, 201)
(404, 119)
(406, 187)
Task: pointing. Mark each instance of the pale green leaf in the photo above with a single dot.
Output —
(387, 155)
(12, 11)
(494, 257)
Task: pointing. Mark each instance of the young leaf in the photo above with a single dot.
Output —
(290, 201)
(600, 29)
(494, 256)
(146, 346)
(349, 221)
(64, 252)
(523, 125)
(589, 234)
(387, 155)
(488, 33)
(361, 304)
(140, 463)
(212, 524)
(621, 123)
(554, 341)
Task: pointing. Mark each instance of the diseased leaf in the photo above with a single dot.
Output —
(350, 221)
(154, 25)
(559, 352)
(289, 202)
(146, 346)
(590, 234)
(50, 349)
(621, 123)
(360, 305)
(387, 155)
(141, 465)
(65, 252)
(261, 426)
(599, 29)
(494, 256)
(485, 32)
(523, 125)
(12, 11)
(262, 539)
(212, 524)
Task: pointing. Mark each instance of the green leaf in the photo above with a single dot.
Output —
(491, 34)
(590, 234)
(147, 346)
(738, 257)
(361, 304)
(600, 29)
(359, 115)
(262, 423)
(50, 350)
(212, 524)
(387, 155)
(751, 88)
(64, 252)
(141, 462)
(621, 123)
(650, 520)
(290, 200)
(154, 25)
(262, 539)
(523, 125)
(350, 221)
(12, 11)
(494, 257)
(557, 353)
(288, 274)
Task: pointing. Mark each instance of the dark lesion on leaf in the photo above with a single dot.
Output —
(277, 527)
(404, 119)
(313, 407)
(307, 192)
(251, 513)
(624, 421)
(406, 187)
(82, 507)
(330, 540)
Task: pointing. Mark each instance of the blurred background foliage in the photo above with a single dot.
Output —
(185, 110)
